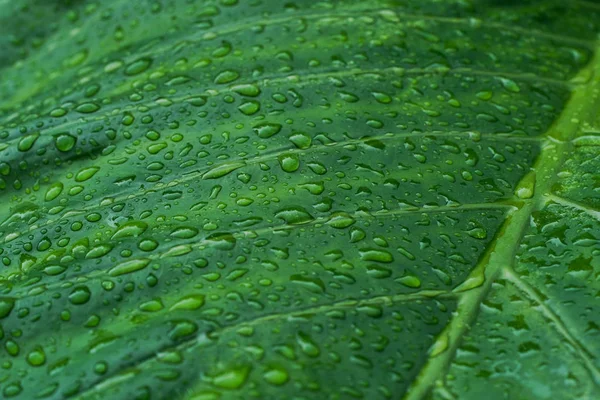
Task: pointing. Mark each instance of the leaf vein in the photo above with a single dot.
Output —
(560, 327)
(341, 304)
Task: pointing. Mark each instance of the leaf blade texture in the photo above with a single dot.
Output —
(306, 200)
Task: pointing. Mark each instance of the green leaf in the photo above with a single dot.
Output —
(235, 199)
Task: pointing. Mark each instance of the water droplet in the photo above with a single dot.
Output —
(80, 295)
(341, 220)
(151, 305)
(129, 266)
(233, 378)
(276, 376)
(36, 357)
(223, 169)
(226, 76)
(27, 142)
(510, 85)
(184, 233)
(86, 173)
(378, 272)
(182, 329)
(477, 233)
(148, 245)
(130, 229)
(381, 256)
(54, 191)
(87, 108)
(247, 89)
(221, 240)
(249, 107)
(64, 142)
(99, 251)
(58, 112)
(382, 97)
(526, 187)
(314, 285)
(307, 345)
(6, 306)
(439, 346)
(410, 281)
(191, 302)
(289, 162)
(265, 130)
(138, 66)
(470, 283)
(301, 140)
(294, 215)
(12, 390)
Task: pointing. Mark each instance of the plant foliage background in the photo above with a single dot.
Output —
(236, 199)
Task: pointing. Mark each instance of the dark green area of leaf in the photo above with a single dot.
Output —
(236, 199)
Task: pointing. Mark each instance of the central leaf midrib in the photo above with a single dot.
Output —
(501, 256)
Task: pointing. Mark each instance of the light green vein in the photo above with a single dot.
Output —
(263, 319)
(269, 156)
(303, 78)
(243, 233)
(502, 255)
(585, 355)
(575, 205)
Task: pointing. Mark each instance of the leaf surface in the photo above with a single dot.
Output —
(305, 200)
